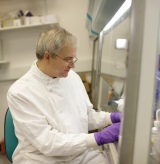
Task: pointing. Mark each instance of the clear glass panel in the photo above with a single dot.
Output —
(94, 75)
(157, 89)
(113, 64)
(114, 50)
(155, 136)
(157, 81)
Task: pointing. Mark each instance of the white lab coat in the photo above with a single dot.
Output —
(52, 118)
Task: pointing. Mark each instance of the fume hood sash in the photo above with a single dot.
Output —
(99, 14)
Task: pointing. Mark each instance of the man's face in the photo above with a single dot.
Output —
(60, 65)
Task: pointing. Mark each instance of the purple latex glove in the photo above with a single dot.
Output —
(108, 134)
(116, 117)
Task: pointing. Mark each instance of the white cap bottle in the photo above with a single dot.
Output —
(156, 139)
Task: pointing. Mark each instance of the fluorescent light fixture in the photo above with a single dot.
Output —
(122, 44)
(126, 5)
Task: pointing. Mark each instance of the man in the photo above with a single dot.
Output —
(51, 110)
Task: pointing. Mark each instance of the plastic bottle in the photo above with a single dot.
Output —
(109, 97)
(156, 139)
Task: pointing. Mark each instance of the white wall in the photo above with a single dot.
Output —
(19, 45)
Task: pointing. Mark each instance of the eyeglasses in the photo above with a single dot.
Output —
(70, 61)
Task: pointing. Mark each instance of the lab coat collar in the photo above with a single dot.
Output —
(41, 76)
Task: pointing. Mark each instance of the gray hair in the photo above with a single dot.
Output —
(53, 40)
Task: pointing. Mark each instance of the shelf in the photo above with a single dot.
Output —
(3, 61)
(24, 26)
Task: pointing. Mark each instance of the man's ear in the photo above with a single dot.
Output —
(47, 57)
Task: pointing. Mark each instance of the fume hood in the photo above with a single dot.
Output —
(132, 63)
